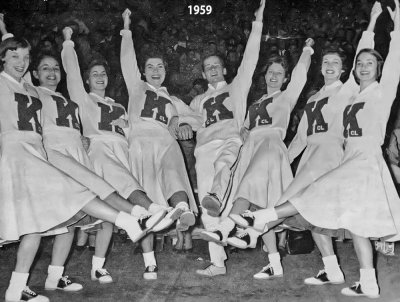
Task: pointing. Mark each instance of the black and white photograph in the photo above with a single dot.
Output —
(199, 150)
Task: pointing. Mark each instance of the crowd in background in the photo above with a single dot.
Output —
(185, 39)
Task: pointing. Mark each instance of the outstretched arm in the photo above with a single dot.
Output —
(3, 29)
(242, 82)
(299, 73)
(70, 62)
(391, 68)
(366, 41)
(129, 66)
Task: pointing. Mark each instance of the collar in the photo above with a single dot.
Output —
(219, 85)
(10, 78)
(369, 88)
(49, 90)
(332, 86)
(162, 88)
(106, 99)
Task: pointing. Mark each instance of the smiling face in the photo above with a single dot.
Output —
(366, 68)
(331, 67)
(16, 62)
(48, 73)
(275, 76)
(213, 70)
(98, 78)
(154, 72)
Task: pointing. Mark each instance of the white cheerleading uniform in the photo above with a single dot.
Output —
(35, 196)
(263, 171)
(359, 195)
(108, 151)
(320, 130)
(223, 110)
(155, 157)
(62, 141)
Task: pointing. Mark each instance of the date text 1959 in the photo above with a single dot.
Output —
(200, 9)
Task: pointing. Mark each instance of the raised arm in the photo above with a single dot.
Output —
(242, 82)
(299, 74)
(366, 41)
(391, 69)
(129, 65)
(70, 62)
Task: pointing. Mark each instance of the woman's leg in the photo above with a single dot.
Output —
(61, 248)
(368, 283)
(27, 250)
(103, 238)
(274, 269)
(103, 211)
(150, 262)
(332, 272)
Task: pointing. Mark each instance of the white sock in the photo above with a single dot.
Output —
(275, 261)
(97, 262)
(332, 268)
(182, 205)
(54, 272)
(155, 207)
(217, 254)
(17, 284)
(138, 211)
(130, 224)
(368, 280)
(149, 259)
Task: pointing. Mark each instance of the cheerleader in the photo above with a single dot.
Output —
(223, 108)
(62, 141)
(154, 154)
(263, 171)
(359, 195)
(35, 195)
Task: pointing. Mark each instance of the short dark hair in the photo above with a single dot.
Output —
(96, 62)
(277, 60)
(153, 54)
(220, 58)
(42, 54)
(379, 61)
(332, 50)
(11, 43)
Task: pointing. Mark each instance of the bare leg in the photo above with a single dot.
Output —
(178, 197)
(101, 210)
(61, 248)
(363, 250)
(140, 198)
(116, 201)
(26, 252)
(147, 243)
(240, 205)
(324, 244)
(269, 239)
(103, 238)
(188, 245)
(82, 238)
(179, 242)
(286, 210)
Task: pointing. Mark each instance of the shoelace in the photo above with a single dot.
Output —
(103, 271)
(66, 280)
(242, 234)
(29, 291)
(321, 272)
(355, 286)
(152, 268)
(265, 268)
(248, 213)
